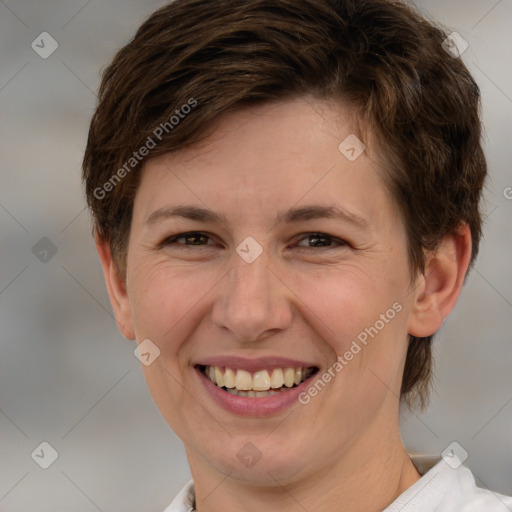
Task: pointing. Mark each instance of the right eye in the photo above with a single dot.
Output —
(187, 239)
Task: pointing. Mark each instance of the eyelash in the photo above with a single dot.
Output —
(189, 234)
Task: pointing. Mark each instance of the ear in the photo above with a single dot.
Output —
(116, 288)
(437, 290)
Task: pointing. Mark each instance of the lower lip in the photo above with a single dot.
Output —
(245, 406)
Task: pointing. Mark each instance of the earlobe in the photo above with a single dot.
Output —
(116, 288)
(437, 290)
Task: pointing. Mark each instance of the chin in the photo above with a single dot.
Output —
(258, 461)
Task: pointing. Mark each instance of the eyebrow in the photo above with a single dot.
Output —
(187, 212)
(293, 215)
(313, 212)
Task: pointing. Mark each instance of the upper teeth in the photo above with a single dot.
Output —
(258, 381)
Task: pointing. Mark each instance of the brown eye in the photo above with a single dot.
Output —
(321, 240)
(190, 238)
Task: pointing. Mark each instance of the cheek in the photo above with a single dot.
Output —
(167, 302)
(362, 316)
(348, 300)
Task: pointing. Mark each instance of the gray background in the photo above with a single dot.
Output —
(68, 377)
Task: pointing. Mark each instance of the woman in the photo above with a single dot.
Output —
(285, 199)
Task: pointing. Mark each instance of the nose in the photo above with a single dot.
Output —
(252, 302)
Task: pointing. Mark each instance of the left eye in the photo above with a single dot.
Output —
(320, 240)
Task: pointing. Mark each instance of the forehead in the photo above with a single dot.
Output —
(262, 158)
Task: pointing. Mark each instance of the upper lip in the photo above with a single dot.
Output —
(254, 364)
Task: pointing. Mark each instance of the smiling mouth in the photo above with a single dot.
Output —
(256, 384)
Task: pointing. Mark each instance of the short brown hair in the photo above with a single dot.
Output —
(381, 56)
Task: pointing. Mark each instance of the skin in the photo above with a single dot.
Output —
(343, 450)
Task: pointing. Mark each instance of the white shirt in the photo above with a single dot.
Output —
(440, 489)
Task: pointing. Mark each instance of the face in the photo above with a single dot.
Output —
(266, 260)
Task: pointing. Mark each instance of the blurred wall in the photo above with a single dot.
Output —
(67, 376)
